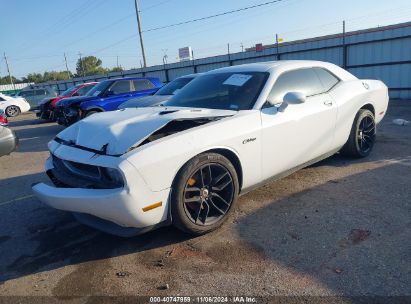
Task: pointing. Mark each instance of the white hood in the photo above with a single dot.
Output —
(116, 132)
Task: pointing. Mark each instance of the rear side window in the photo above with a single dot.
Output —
(304, 81)
(40, 92)
(143, 84)
(26, 93)
(2, 99)
(120, 87)
(327, 79)
(84, 90)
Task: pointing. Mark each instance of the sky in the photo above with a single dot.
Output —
(36, 34)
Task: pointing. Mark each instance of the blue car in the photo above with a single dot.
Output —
(105, 96)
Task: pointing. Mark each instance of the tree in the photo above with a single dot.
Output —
(116, 69)
(6, 80)
(33, 77)
(47, 76)
(88, 66)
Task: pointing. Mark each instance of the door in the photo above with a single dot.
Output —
(302, 132)
(117, 94)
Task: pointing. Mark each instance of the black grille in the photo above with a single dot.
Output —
(69, 174)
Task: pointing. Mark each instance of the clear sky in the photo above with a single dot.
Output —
(35, 34)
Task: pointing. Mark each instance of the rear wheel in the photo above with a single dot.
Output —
(12, 111)
(362, 135)
(204, 193)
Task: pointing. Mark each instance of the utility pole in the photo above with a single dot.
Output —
(345, 55)
(67, 69)
(8, 70)
(276, 45)
(117, 62)
(81, 64)
(140, 33)
(242, 47)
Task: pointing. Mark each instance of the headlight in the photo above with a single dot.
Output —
(114, 175)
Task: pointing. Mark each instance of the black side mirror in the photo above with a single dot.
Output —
(109, 93)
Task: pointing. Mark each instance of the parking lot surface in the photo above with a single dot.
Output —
(341, 227)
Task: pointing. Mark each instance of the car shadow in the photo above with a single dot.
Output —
(350, 235)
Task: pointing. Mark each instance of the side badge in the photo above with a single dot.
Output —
(246, 141)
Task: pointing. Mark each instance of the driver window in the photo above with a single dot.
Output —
(305, 81)
(120, 87)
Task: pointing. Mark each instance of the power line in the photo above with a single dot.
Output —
(155, 5)
(213, 16)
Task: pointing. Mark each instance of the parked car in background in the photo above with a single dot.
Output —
(33, 96)
(162, 95)
(225, 133)
(3, 119)
(45, 109)
(8, 141)
(105, 96)
(13, 106)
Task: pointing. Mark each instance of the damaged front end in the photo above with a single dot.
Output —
(117, 133)
(173, 127)
(70, 174)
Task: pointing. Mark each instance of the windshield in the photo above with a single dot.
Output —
(69, 91)
(227, 91)
(99, 88)
(174, 86)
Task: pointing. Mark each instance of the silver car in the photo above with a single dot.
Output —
(8, 141)
(162, 95)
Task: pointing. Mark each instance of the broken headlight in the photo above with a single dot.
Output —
(113, 175)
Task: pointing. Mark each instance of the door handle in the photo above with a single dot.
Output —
(328, 102)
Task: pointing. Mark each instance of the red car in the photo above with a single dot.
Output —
(3, 119)
(46, 107)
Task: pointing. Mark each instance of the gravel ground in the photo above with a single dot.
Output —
(339, 228)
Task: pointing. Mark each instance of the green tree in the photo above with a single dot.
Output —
(6, 80)
(56, 75)
(33, 77)
(89, 65)
(116, 69)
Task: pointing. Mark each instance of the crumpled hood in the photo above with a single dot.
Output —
(146, 101)
(67, 102)
(114, 133)
(45, 100)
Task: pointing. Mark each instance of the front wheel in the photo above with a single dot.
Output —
(12, 111)
(92, 112)
(362, 135)
(204, 193)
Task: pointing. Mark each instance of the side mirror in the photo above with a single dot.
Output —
(76, 94)
(292, 98)
(109, 93)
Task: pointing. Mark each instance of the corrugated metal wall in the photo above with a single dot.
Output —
(380, 53)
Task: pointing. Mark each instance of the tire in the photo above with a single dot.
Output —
(12, 111)
(217, 195)
(89, 113)
(362, 136)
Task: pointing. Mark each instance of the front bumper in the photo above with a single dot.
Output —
(122, 206)
(66, 116)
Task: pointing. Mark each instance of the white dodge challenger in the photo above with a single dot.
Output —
(227, 132)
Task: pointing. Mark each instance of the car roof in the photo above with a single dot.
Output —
(283, 65)
(191, 75)
(132, 78)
